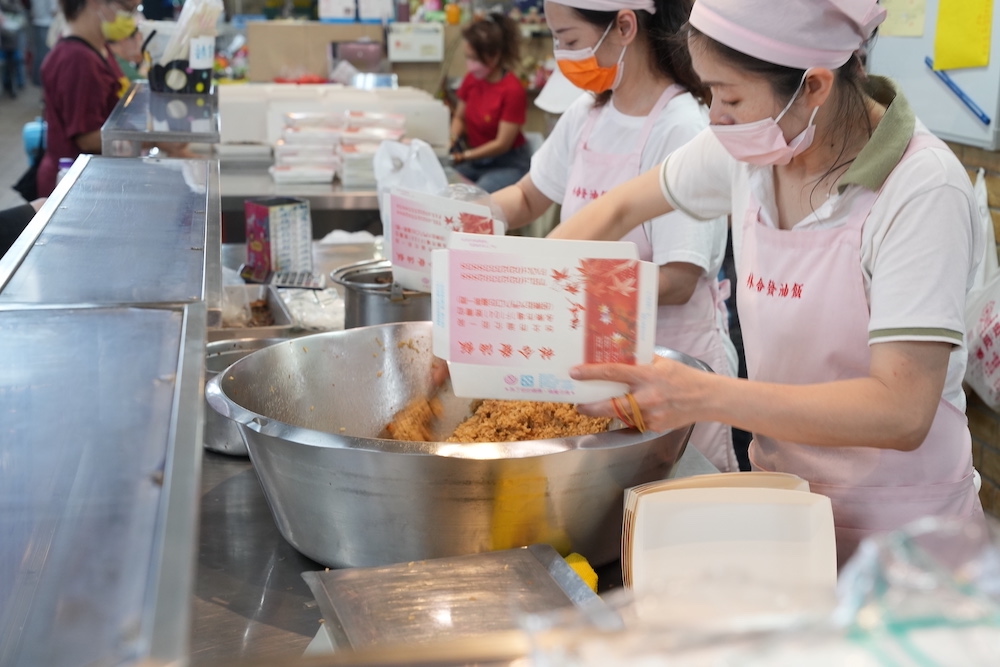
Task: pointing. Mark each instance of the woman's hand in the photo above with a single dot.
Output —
(667, 391)
(458, 157)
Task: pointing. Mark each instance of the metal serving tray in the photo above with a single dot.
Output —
(283, 321)
(445, 598)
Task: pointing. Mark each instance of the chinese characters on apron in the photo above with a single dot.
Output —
(805, 316)
(693, 327)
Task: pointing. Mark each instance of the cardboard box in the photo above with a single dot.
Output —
(279, 235)
(278, 48)
(512, 314)
(416, 224)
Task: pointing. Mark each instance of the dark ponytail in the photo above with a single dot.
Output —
(662, 32)
(495, 36)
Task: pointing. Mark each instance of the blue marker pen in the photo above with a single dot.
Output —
(966, 100)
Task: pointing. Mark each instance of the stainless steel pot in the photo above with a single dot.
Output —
(371, 296)
(221, 434)
(310, 410)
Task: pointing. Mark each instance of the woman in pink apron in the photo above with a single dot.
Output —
(856, 237)
(641, 113)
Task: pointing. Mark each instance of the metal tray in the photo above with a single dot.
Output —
(445, 598)
(283, 322)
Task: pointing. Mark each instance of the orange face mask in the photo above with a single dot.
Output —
(581, 68)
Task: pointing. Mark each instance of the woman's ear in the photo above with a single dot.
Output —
(626, 27)
(818, 86)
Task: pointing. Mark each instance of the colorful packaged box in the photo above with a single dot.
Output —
(513, 314)
(279, 235)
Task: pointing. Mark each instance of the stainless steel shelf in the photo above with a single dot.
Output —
(101, 454)
(143, 231)
(238, 184)
(144, 117)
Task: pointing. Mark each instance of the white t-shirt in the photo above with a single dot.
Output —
(920, 244)
(675, 237)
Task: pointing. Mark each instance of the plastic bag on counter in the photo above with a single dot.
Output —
(412, 165)
(926, 595)
(982, 313)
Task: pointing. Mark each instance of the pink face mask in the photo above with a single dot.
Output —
(762, 142)
(477, 69)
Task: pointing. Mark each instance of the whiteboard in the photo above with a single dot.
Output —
(940, 109)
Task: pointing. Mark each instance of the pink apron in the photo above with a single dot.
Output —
(804, 316)
(693, 327)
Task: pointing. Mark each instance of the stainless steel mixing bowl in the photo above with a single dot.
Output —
(310, 411)
(221, 434)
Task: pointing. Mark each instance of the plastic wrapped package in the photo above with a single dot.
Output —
(926, 595)
(315, 310)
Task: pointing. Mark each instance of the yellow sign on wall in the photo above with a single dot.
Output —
(963, 34)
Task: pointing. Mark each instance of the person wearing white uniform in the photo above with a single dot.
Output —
(856, 239)
(646, 102)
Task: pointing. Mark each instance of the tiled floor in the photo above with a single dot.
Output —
(13, 160)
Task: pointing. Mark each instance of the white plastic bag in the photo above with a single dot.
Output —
(982, 313)
(412, 165)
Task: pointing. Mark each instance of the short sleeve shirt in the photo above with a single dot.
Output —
(81, 89)
(921, 243)
(675, 237)
(487, 103)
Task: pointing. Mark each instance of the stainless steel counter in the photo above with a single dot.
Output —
(121, 232)
(99, 460)
(104, 302)
(250, 600)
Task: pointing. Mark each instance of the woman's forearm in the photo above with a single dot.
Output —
(491, 148)
(891, 408)
(848, 413)
(457, 129)
(614, 214)
(678, 280)
(522, 203)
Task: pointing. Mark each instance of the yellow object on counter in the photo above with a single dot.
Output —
(582, 567)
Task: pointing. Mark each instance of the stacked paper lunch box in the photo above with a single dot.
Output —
(359, 141)
(316, 146)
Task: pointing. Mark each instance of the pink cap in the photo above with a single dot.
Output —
(610, 5)
(792, 33)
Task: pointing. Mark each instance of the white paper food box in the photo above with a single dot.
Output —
(512, 315)
(415, 224)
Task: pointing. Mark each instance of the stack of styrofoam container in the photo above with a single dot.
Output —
(360, 139)
(307, 150)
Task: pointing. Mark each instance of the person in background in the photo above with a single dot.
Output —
(125, 42)
(856, 238)
(645, 101)
(82, 83)
(12, 31)
(487, 145)
(42, 13)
